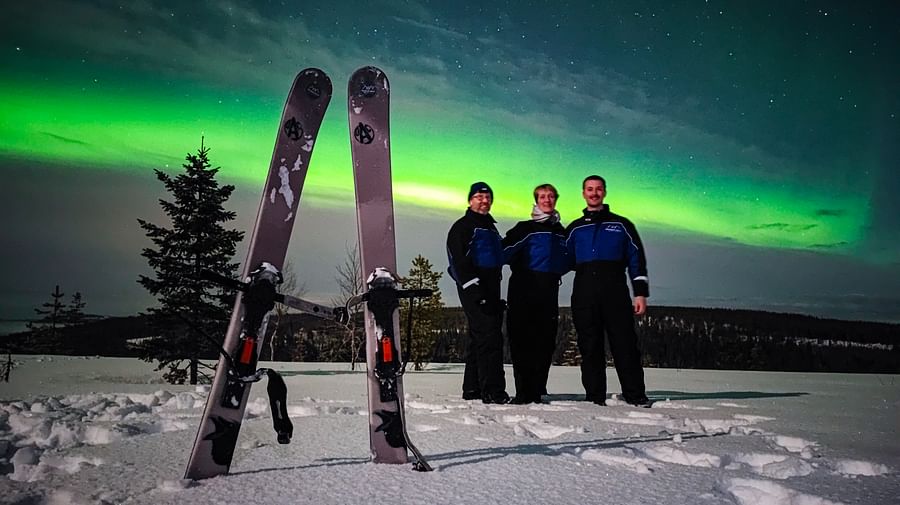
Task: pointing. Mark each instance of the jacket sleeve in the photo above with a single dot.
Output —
(570, 247)
(462, 269)
(637, 262)
(513, 243)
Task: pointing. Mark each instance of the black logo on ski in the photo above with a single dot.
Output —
(368, 90)
(313, 91)
(363, 133)
(392, 426)
(223, 439)
(293, 129)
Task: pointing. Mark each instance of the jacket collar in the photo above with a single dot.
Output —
(481, 218)
(594, 214)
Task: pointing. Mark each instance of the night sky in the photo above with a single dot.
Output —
(756, 145)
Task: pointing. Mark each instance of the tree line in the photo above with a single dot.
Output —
(670, 337)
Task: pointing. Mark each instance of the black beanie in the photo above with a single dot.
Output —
(480, 187)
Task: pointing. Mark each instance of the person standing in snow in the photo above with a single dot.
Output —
(476, 260)
(535, 250)
(602, 246)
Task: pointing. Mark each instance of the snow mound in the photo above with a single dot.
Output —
(38, 430)
(621, 457)
(775, 466)
(669, 454)
(543, 431)
(765, 492)
(474, 419)
(311, 407)
(794, 444)
(852, 467)
(33, 467)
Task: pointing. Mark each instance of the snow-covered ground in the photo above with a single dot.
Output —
(75, 430)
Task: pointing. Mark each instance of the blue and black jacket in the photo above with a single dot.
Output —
(537, 255)
(474, 251)
(602, 246)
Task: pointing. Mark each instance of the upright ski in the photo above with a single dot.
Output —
(369, 108)
(221, 421)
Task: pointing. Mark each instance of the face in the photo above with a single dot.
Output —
(481, 203)
(594, 192)
(546, 200)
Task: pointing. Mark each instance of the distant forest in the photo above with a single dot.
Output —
(670, 337)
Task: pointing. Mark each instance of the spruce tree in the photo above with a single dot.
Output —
(6, 368)
(74, 312)
(45, 332)
(426, 312)
(196, 239)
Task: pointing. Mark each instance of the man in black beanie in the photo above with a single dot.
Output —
(476, 261)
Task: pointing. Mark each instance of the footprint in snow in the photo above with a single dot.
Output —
(774, 466)
(759, 492)
(543, 430)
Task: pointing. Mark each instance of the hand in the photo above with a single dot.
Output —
(640, 305)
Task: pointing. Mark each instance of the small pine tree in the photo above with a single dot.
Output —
(426, 312)
(196, 240)
(74, 312)
(6, 368)
(45, 333)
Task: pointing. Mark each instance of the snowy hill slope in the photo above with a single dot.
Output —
(75, 430)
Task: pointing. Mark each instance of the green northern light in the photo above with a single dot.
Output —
(132, 126)
(671, 162)
(755, 145)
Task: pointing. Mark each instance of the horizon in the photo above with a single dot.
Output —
(93, 317)
(754, 146)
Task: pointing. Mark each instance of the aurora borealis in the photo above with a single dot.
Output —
(755, 145)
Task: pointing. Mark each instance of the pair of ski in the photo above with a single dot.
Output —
(368, 103)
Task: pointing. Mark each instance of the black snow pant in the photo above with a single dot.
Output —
(611, 314)
(531, 325)
(484, 350)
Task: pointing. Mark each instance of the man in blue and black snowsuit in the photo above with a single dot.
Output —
(536, 253)
(602, 246)
(476, 260)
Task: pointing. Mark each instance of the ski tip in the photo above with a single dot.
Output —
(313, 72)
(316, 82)
(368, 69)
(369, 73)
(367, 82)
